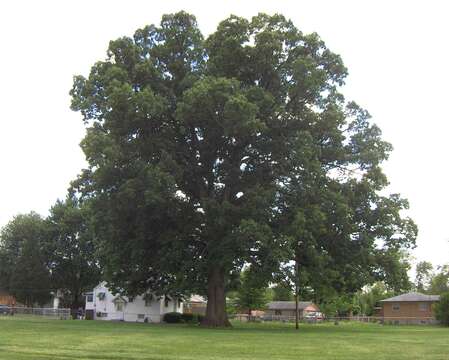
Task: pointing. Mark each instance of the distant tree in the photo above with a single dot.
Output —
(394, 266)
(370, 297)
(24, 267)
(209, 154)
(442, 309)
(339, 305)
(71, 252)
(439, 283)
(424, 274)
(251, 294)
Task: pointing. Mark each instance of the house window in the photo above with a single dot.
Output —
(179, 302)
(140, 316)
(396, 307)
(423, 306)
(101, 296)
(119, 306)
(277, 312)
(166, 301)
(147, 302)
(130, 299)
(89, 298)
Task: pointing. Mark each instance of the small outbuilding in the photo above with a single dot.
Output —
(410, 308)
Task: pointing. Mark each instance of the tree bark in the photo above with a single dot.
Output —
(216, 299)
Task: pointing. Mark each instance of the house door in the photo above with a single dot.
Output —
(89, 314)
(119, 310)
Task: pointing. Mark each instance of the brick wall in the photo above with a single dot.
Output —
(7, 300)
(409, 311)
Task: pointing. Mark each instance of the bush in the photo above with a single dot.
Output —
(442, 309)
(173, 318)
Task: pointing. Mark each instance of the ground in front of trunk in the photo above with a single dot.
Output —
(75, 339)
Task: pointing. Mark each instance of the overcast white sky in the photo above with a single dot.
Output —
(396, 51)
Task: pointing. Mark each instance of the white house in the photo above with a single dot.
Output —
(102, 304)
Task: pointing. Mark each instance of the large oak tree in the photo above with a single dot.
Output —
(208, 154)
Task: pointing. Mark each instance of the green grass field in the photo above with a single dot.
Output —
(71, 339)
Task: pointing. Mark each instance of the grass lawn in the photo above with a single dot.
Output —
(74, 339)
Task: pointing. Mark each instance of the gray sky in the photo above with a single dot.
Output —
(396, 51)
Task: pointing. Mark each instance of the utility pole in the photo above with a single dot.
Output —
(297, 284)
(296, 293)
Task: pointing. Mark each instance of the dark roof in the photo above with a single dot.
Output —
(288, 305)
(413, 296)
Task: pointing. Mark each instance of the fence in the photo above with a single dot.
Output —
(275, 318)
(389, 320)
(336, 319)
(49, 313)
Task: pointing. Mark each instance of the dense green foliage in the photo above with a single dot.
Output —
(442, 309)
(104, 340)
(208, 154)
(282, 292)
(23, 265)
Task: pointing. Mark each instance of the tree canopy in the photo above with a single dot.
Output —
(206, 154)
(71, 252)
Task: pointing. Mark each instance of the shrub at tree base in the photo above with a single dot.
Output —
(442, 309)
(176, 318)
(173, 318)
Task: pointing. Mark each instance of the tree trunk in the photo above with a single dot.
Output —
(216, 299)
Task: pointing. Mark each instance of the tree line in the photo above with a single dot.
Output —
(45, 257)
(247, 295)
(210, 154)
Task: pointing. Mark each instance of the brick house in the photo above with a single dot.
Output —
(410, 308)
